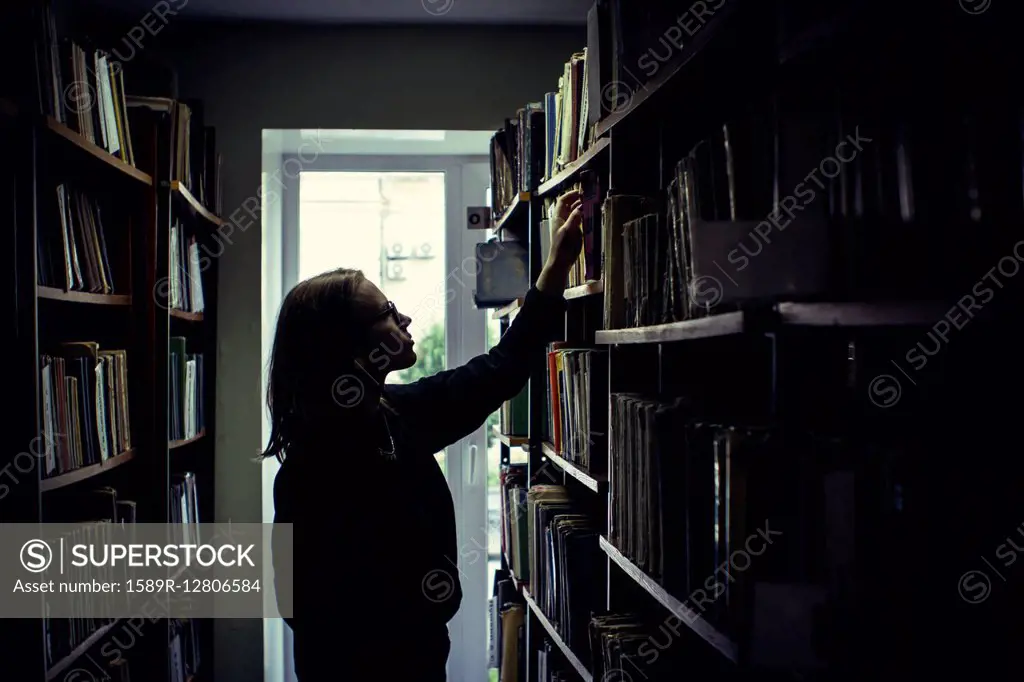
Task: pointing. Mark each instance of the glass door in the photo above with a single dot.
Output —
(390, 225)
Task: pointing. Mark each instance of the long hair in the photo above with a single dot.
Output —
(315, 344)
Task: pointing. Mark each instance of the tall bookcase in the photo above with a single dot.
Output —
(816, 394)
(142, 312)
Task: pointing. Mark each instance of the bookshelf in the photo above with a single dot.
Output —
(595, 482)
(55, 294)
(714, 421)
(556, 638)
(95, 290)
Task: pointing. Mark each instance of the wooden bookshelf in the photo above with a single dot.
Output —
(97, 152)
(573, 659)
(509, 441)
(584, 290)
(186, 441)
(86, 472)
(854, 314)
(517, 211)
(683, 612)
(598, 483)
(569, 172)
(717, 325)
(507, 310)
(802, 364)
(194, 206)
(54, 294)
(185, 315)
(895, 314)
(44, 153)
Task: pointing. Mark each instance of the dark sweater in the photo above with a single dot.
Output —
(375, 559)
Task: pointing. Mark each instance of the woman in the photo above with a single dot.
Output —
(375, 575)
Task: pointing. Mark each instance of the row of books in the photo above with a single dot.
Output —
(508, 651)
(569, 121)
(507, 629)
(567, 577)
(82, 87)
(577, 415)
(185, 291)
(847, 204)
(683, 499)
(187, 389)
(514, 417)
(86, 414)
(512, 482)
(544, 137)
(516, 156)
(72, 246)
(98, 510)
(63, 635)
(194, 160)
(708, 510)
(627, 646)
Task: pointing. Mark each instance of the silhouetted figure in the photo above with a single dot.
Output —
(375, 559)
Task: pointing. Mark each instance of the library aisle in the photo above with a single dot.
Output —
(774, 441)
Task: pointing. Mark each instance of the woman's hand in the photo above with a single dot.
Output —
(565, 243)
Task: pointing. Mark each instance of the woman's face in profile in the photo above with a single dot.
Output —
(391, 345)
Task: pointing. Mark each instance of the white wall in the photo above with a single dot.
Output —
(253, 78)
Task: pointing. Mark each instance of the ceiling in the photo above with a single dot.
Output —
(508, 12)
(312, 142)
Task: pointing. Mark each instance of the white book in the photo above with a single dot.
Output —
(95, 99)
(107, 99)
(101, 411)
(198, 301)
(190, 393)
(48, 417)
(174, 268)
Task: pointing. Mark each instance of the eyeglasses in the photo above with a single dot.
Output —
(392, 310)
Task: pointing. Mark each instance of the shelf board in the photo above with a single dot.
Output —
(55, 294)
(557, 638)
(908, 313)
(844, 314)
(519, 204)
(71, 477)
(573, 168)
(596, 483)
(97, 151)
(511, 441)
(61, 665)
(181, 443)
(686, 615)
(644, 92)
(706, 327)
(583, 290)
(183, 315)
(507, 310)
(194, 205)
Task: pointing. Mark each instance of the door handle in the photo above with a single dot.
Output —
(472, 464)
